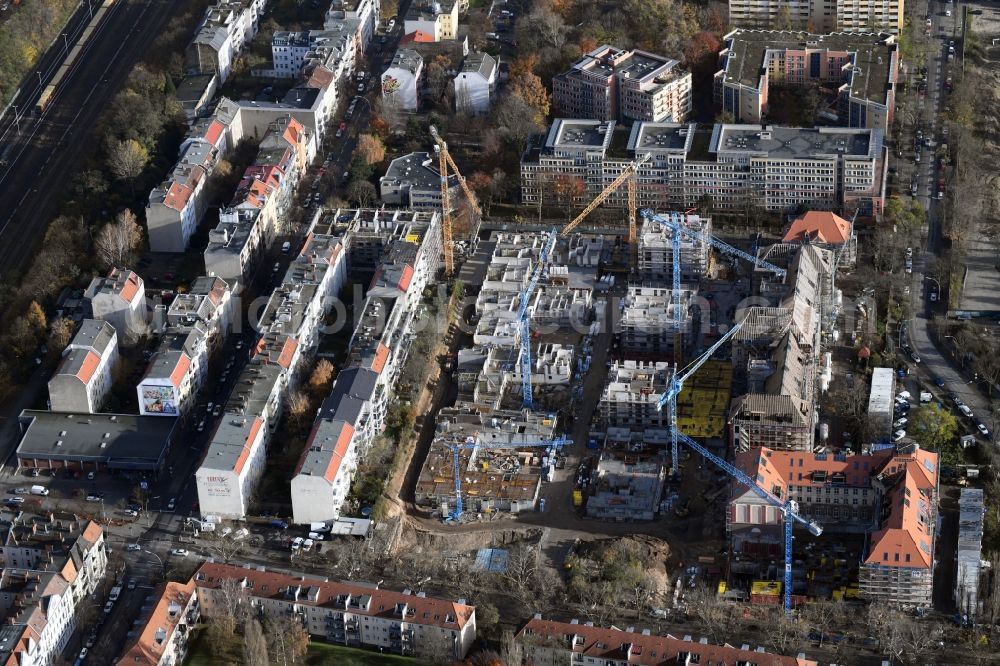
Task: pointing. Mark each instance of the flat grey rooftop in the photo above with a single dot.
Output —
(795, 142)
(120, 441)
(579, 134)
(870, 53)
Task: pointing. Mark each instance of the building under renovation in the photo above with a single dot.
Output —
(656, 257)
(777, 353)
(648, 324)
(970, 551)
(496, 474)
(623, 490)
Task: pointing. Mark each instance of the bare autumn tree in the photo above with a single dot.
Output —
(126, 160)
(362, 193)
(224, 548)
(288, 639)
(370, 148)
(322, 375)
(298, 408)
(118, 242)
(230, 597)
(254, 645)
(717, 617)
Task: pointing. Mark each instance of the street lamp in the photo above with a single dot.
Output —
(158, 559)
(935, 281)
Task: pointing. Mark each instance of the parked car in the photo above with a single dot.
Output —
(297, 543)
(108, 607)
(983, 430)
(134, 547)
(898, 435)
(171, 504)
(900, 423)
(965, 411)
(179, 552)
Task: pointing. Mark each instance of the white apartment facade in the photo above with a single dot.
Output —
(227, 28)
(476, 83)
(436, 19)
(85, 374)
(120, 299)
(401, 80)
(733, 166)
(618, 84)
(349, 614)
(820, 16)
(365, 12)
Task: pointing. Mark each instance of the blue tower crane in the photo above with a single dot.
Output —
(472, 444)
(789, 508)
(523, 319)
(677, 379)
(675, 225)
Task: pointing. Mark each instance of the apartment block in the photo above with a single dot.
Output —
(235, 460)
(475, 83)
(656, 254)
(552, 643)
(86, 372)
(290, 51)
(120, 300)
(891, 492)
(649, 324)
(862, 68)
(632, 394)
(176, 206)
(401, 80)
(358, 615)
(971, 516)
(366, 12)
(227, 28)
(164, 629)
(821, 16)
(627, 85)
(192, 328)
(407, 247)
(51, 564)
(256, 214)
(777, 168)
(436, 21)
(778, 352)
(413, 181)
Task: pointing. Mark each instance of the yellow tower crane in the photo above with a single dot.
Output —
(444, 162)
(628, 175)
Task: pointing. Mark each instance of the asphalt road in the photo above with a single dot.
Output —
(49, 149)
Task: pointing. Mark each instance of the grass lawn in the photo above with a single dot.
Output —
(321, 654)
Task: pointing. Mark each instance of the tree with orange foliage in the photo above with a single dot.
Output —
(587, 44)
(527, 85)
(701, 48)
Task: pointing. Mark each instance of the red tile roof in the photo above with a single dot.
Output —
(149, 647)
(603, 643)
(339, 452)
(381, 356)
(248, 445)
(406, 278)
(181, 369)
(416, 36)
(320, 77)
(822, 226)
(287, 352)
(270, 584)
(214, 132)
(89, 366)
(905, 528)
(177, 196)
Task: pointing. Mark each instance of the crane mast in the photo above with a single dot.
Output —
(472, 443)
(447, 239)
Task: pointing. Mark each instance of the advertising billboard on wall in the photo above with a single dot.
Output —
(159, 400)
